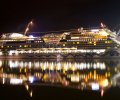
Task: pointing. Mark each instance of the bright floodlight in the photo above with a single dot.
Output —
(31, 79)
(31, 36)
(95, 86)
(16, 35)
(16, 81)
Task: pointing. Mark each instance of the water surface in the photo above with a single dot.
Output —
(95, 76)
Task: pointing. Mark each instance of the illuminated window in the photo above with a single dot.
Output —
(90, 42)
(20, 46)
(94, 43)
(109, 41)
(73, 42)
(25, 45)
(63, 44)
(117, 45)
(8, 46)
(78, 42)
(106, 41)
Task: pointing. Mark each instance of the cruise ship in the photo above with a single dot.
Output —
(77, 43)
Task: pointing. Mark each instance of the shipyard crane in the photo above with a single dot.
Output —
(28, 26)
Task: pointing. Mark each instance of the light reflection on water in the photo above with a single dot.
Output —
(93, 75)
(56, 65)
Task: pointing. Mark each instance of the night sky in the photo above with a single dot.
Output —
(53, 15)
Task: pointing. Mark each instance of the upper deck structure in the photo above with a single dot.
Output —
(80, 41)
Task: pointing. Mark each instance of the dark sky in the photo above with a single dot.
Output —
(51, 15)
